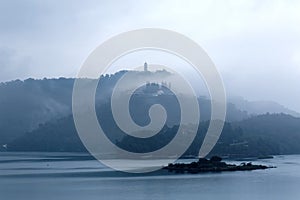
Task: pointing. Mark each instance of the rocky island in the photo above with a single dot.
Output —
(214, 164)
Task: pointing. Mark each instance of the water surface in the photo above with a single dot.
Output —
(75, 176)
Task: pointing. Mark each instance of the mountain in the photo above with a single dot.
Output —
(269, 134)
(26, 106)
(260, 107)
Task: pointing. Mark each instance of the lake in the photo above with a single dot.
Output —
(75, 176)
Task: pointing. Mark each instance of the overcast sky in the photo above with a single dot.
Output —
(254, 44)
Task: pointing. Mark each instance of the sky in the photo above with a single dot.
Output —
(254, 44)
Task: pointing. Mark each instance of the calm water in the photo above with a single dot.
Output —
(74, 176)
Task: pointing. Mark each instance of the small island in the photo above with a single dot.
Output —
(214, 164)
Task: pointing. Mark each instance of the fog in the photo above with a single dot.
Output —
(255, 45)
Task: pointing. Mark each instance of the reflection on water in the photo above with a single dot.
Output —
(78, 176)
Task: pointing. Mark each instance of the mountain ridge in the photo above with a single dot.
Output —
(26, 105)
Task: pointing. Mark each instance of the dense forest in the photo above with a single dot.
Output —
(269, 134)
(24, 105)
(36, 116)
